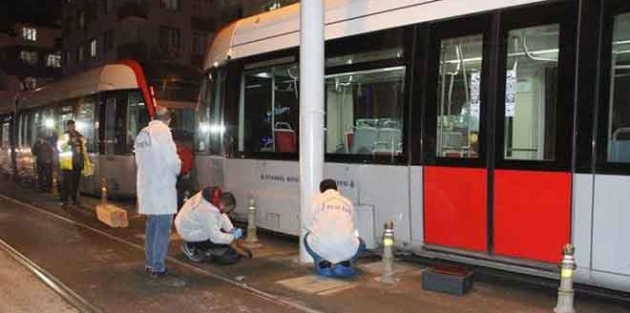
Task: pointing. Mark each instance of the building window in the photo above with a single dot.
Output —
(53, 60)
(67, 26)
(107, 6)
(198, 43)
(92, 12)
(29, 57)
(170, 4)
(169, 38)
(108, 40)
(93, 48)
(81, 19)
(29, 33)
(80, 55)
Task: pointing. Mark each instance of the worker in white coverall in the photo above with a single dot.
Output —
(332, 238)
(158, 168)
(207, 231)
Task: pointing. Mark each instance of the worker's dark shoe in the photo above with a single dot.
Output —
(324, 268)
(343, 270)
(159, 274)
(192, 253)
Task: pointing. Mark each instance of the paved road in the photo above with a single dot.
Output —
(110, 274)
(22, 292)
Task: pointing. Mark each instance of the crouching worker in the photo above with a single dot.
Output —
(332, 238)
(207, 231)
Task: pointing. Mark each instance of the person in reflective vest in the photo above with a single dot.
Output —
(73, 161)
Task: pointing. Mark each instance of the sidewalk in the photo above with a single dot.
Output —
(274, 270)
(22, 292)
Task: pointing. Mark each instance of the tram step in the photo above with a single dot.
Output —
(448, 279)
(112, 215)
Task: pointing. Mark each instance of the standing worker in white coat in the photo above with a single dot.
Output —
(158, 168)
(332, 238)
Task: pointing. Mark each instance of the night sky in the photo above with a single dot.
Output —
(35, 11)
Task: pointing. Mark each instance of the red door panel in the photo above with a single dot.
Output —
(455, 213)
(531, 214)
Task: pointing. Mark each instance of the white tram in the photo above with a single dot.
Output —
(110, 105)
(491, 132)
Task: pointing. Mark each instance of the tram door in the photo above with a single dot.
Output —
(611, 183)
(498, 126)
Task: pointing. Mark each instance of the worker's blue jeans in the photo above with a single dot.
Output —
(317, 258)
(157, 234)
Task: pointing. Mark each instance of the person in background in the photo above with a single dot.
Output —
(44, 153)
(158, 167)
(183, 142)
(73, 161)
(207, 231)
(332, 238)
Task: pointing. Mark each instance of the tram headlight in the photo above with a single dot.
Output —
(217, 129)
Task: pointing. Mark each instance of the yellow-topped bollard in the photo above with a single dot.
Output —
(104, 191)
(565, 292)
(54, 189)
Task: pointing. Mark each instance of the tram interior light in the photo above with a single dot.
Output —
(213, 129)
(204, 127)
(49, 123)
(81, 125)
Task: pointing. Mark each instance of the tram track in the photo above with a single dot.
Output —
(51, 281)
(250, 289)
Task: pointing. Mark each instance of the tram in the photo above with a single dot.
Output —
(110, 105)
(492, 132)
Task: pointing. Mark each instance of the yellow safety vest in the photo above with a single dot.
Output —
(65, 155)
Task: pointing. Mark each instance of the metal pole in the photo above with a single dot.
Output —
(311, 109)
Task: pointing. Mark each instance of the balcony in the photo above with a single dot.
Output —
(133, 9)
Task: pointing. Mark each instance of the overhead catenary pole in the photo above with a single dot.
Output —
(311, 109)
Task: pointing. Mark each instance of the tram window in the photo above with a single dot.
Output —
(5, 135)
(530, 96)
(378, 55)
(459, 101)
(270, 122)
(619, 117)
(85, 121)
(62, 115)
(137, 117)
(211, 127)
(364, 112)
(110, 126)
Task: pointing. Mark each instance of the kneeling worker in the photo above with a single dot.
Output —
(332, 239)
(207, 231)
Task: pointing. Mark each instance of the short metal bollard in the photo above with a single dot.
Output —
(252, 236)
(54, 190)
(388, 254)
(565, 292)
(104, 191)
